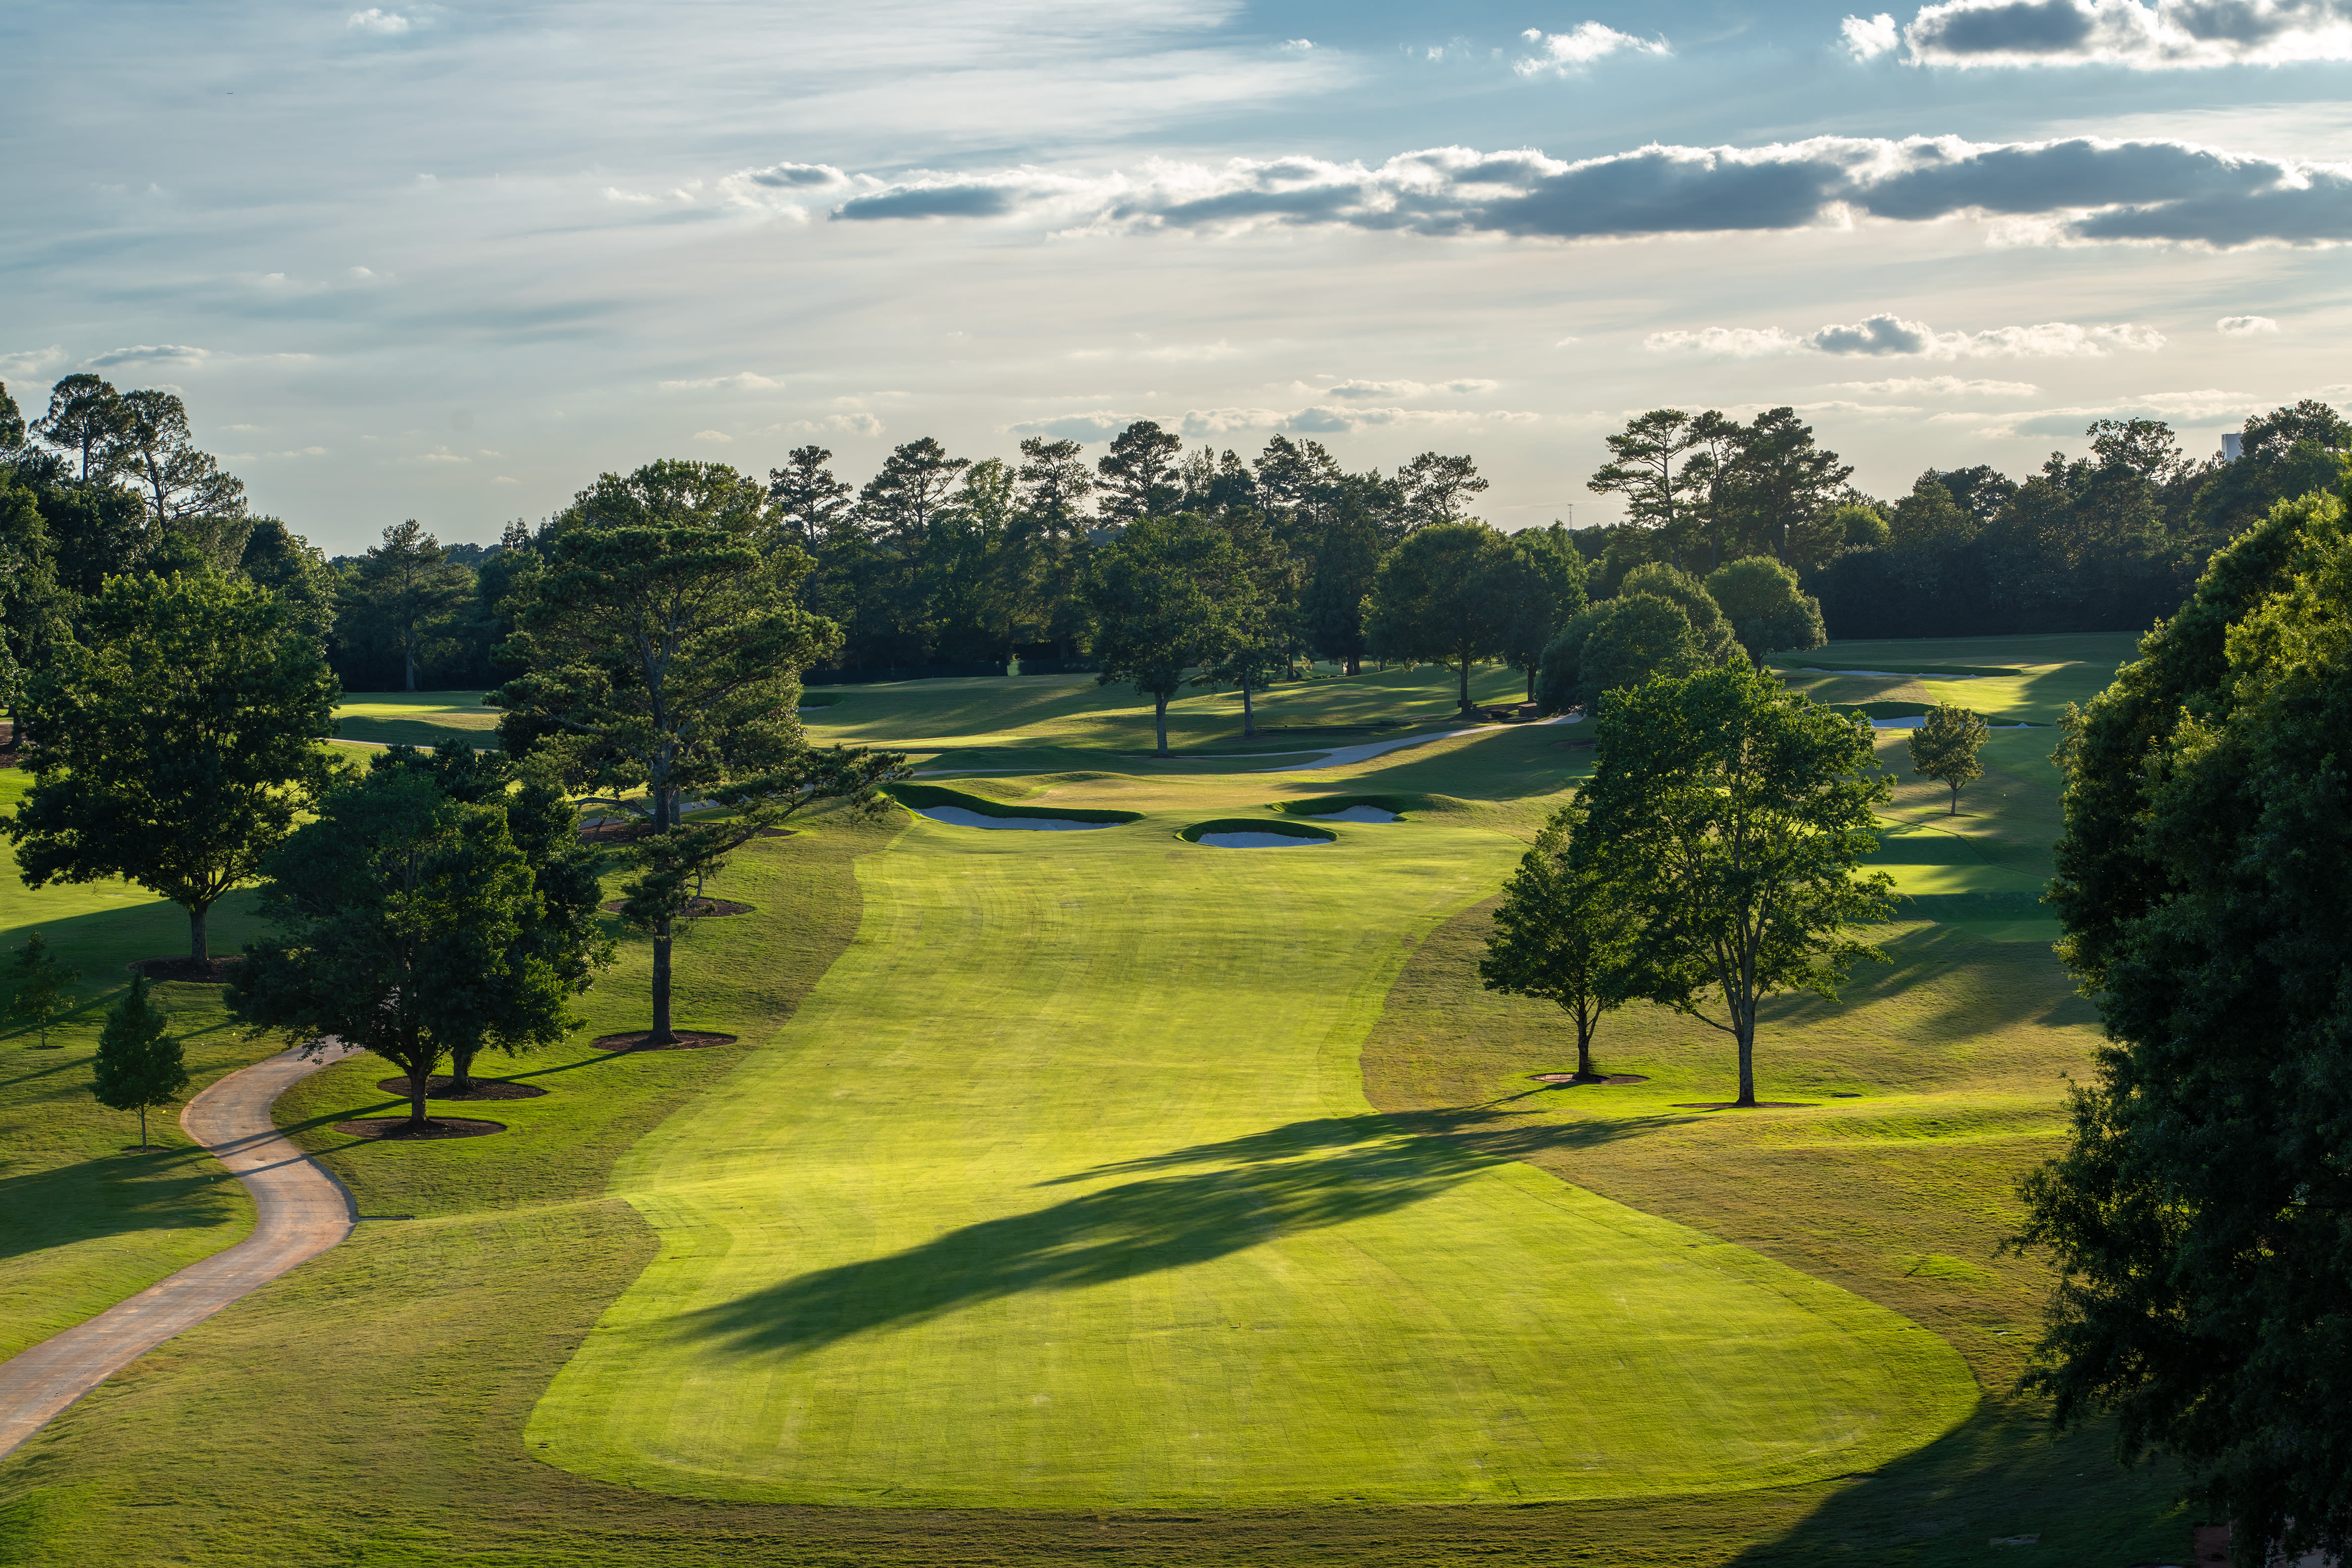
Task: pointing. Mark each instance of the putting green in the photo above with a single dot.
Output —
(1061, 1190)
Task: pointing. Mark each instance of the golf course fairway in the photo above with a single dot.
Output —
(1061, 1190)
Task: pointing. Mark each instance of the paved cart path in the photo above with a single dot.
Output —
(304, 1211)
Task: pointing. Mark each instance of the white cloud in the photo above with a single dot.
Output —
(721, 436)
(442, 455)
(379, 21)
(1737, 343)
(1299, 46)
(148, 354)
(2168, 34)
(1365, 390)
(504, 479)
(1887, 336)
(2079, 190)
(741, 380)
(30, 361)
(837, 425)
(2244, 326)
(1940, 386)
(1871, 38)
(1583, 44)
(1097, 425)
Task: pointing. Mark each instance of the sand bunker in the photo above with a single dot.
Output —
(1257, 840)
(1356, 814)
(964, 817)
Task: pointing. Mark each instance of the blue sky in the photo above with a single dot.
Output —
(450, 261)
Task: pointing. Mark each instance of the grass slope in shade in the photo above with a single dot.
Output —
(416, 719)
(1061, 1190)
(86, 1217)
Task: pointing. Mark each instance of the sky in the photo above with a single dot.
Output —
(452, 261)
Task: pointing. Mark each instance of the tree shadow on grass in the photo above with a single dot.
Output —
(1305, 1176)
(137, 1189)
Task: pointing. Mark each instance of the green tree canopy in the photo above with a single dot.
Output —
(1564, 934)
(1139, 473)
(174, 744)
(402, 588)
(1717, 640)
(1441, 597)
(138, 1066)
(40, 986)
(1945, 749)
(1765, 609)
(665, 653)
(1733, 815)
(2201, 1214)
(1164, 597)
(405, 924)
(1541, 589)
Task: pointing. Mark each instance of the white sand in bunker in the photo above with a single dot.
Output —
(964, 816)
(1356, 814)
(1257, 840)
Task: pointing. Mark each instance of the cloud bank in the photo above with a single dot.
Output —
(2170, 34)
(1893, 336)
(2081, 190)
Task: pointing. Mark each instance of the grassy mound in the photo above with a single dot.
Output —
(917, 796)
(1192, 833)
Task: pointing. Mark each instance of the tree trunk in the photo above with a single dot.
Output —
(1531, 683)
(661, 1035)
(142, 1127)
(1956, 802)
(1747, 1037)
(1249, 715)
(461, 1071)
(1584, 1027)
(408, 656)
(416, 1081)
(199, 948)
(1159, 718)
(1466, 685)
(1354, 665)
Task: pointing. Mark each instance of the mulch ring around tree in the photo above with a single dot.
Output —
(209, 972)
(1597, 1080)
(679, 1040)
(400, 1129)
(699, 910)
(1735, 1105)
(437, 1088)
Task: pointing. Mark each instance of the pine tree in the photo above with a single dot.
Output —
(40, 987)
(136, 1068)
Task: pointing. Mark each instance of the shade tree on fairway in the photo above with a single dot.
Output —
(409, 925)
(2201, 1214)
(138, 1066)
(1563, 933)
(1258, 618)
(1445, 596)
(564, 932)
(40, 986)
(174, 742)
(664, 647)
(1945, 747)
(1166, 597)
(1541, 591)
(1733, 815)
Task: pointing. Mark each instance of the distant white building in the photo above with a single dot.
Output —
(2232, 445)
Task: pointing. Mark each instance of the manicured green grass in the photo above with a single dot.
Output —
(2055, 669)
(415, 718)
(406, 1366)
(1060, 1190)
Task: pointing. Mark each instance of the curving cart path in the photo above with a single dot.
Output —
(304, 1211)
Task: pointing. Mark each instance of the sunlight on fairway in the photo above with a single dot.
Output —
(1061, 1190)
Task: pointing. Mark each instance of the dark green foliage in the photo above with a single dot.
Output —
(137, 1067)
(398, 593)
(1768, 613)
(409, 924)
(1945, 749)
(1139, 474)
(1164, 599)
(40, 986)
(1563, 933)
(1716, 641)
(12, 424)
(1541, 589)
(2202, 1212)
(1443, 596)
(1733, 815)
(176, 744)
(1663, 622)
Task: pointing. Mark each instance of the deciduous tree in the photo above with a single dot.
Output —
(176, 743)
(1734, 816)
(1435, 599)
(405, 925)
(1768, 613)
(1163, 596)
(1945, 749)
(1564, 934)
